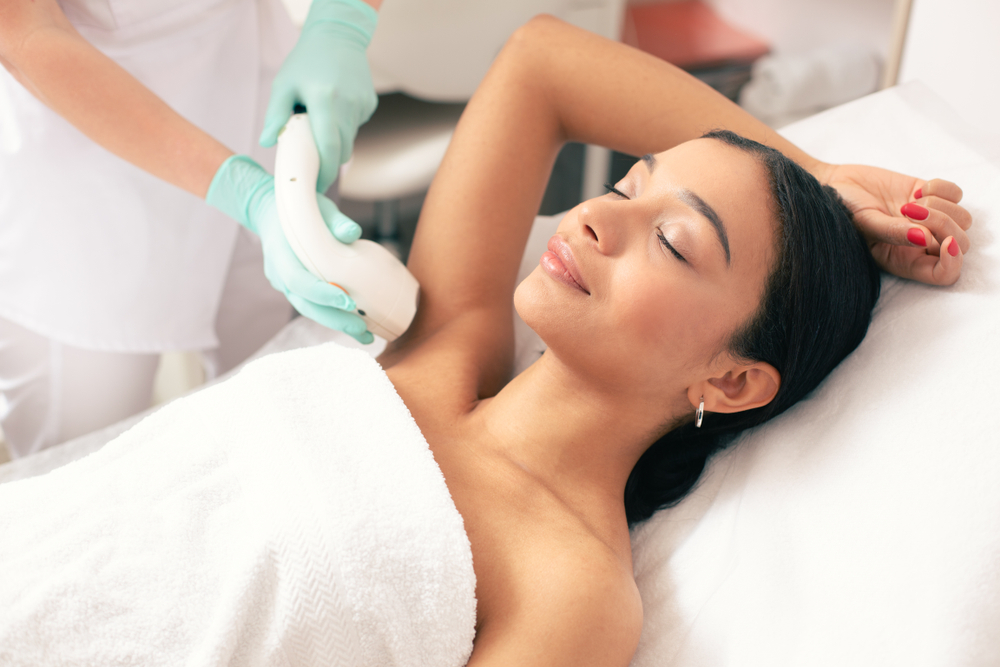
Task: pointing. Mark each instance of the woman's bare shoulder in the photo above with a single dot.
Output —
(578, 605)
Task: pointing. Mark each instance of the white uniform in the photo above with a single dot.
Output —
(97, 255)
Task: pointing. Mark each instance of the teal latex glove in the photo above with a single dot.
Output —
(244, 191)
(327, 72)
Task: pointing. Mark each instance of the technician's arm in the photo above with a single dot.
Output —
(45, 53)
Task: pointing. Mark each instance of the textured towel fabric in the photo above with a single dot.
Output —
(292, 515)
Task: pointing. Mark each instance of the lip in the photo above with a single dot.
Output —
(559, 263)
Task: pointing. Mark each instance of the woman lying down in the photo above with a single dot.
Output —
(321, 508)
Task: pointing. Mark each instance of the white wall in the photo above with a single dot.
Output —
(953, 47)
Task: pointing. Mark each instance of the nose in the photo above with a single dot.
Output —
(602, 224)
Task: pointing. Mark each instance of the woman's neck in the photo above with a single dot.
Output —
(579, 440)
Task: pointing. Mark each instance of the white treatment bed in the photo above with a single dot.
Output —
(863, 526)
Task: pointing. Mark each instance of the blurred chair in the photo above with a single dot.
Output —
(396, 155)
(436, 52)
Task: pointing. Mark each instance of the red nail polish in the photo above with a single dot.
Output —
(916, 237)
(953, 248)
(919, 193)
(915, 211)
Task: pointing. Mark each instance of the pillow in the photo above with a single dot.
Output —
(862, 527)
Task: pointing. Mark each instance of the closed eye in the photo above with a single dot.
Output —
(666, 244)
(612, 189)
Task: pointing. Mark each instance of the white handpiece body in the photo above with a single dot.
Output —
(385, 292)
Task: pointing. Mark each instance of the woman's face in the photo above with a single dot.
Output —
(641, 291)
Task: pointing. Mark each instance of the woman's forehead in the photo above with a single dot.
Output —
(725, 185)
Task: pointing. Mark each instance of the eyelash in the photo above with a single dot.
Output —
(666, 244)
(663, 239)
(611, 188)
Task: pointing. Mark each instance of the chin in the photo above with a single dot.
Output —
(529, 304)
(574, 336)
(547, 310)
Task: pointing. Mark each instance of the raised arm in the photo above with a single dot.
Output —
(46, 54)
(906, 220)
(554, 83)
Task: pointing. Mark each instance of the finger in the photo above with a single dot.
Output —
(943, 269)
(940, 226)
(365, 106)
(327, 137)
(333, 318)
(894, 230)
(279, 110)
(304, 284)
(957, 213)
(938, 187)
(347, 135)
(344, 229)
(300, 282)
(284, 268)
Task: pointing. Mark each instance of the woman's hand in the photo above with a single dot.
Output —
(915, 228)
(243, 190)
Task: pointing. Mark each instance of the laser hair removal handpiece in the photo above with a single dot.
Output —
(385, 292)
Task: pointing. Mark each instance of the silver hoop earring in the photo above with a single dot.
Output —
(700, 415)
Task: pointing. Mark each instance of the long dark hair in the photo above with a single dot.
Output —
(815, 310)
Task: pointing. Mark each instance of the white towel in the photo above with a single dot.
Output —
(293, 515)
(788, 84)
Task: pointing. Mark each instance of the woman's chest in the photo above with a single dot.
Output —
(516, 527)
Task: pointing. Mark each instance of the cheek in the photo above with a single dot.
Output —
(672, 322)
(577, 331)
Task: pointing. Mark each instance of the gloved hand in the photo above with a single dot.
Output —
(245, 192)
(327, 72)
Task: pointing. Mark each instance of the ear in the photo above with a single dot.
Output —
(742, 387)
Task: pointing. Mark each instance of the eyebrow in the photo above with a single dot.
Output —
(650, 161)
(699, 205)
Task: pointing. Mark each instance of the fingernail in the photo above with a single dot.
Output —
(916, 237)
(915, 211)
(953, 248)
(919, 193)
